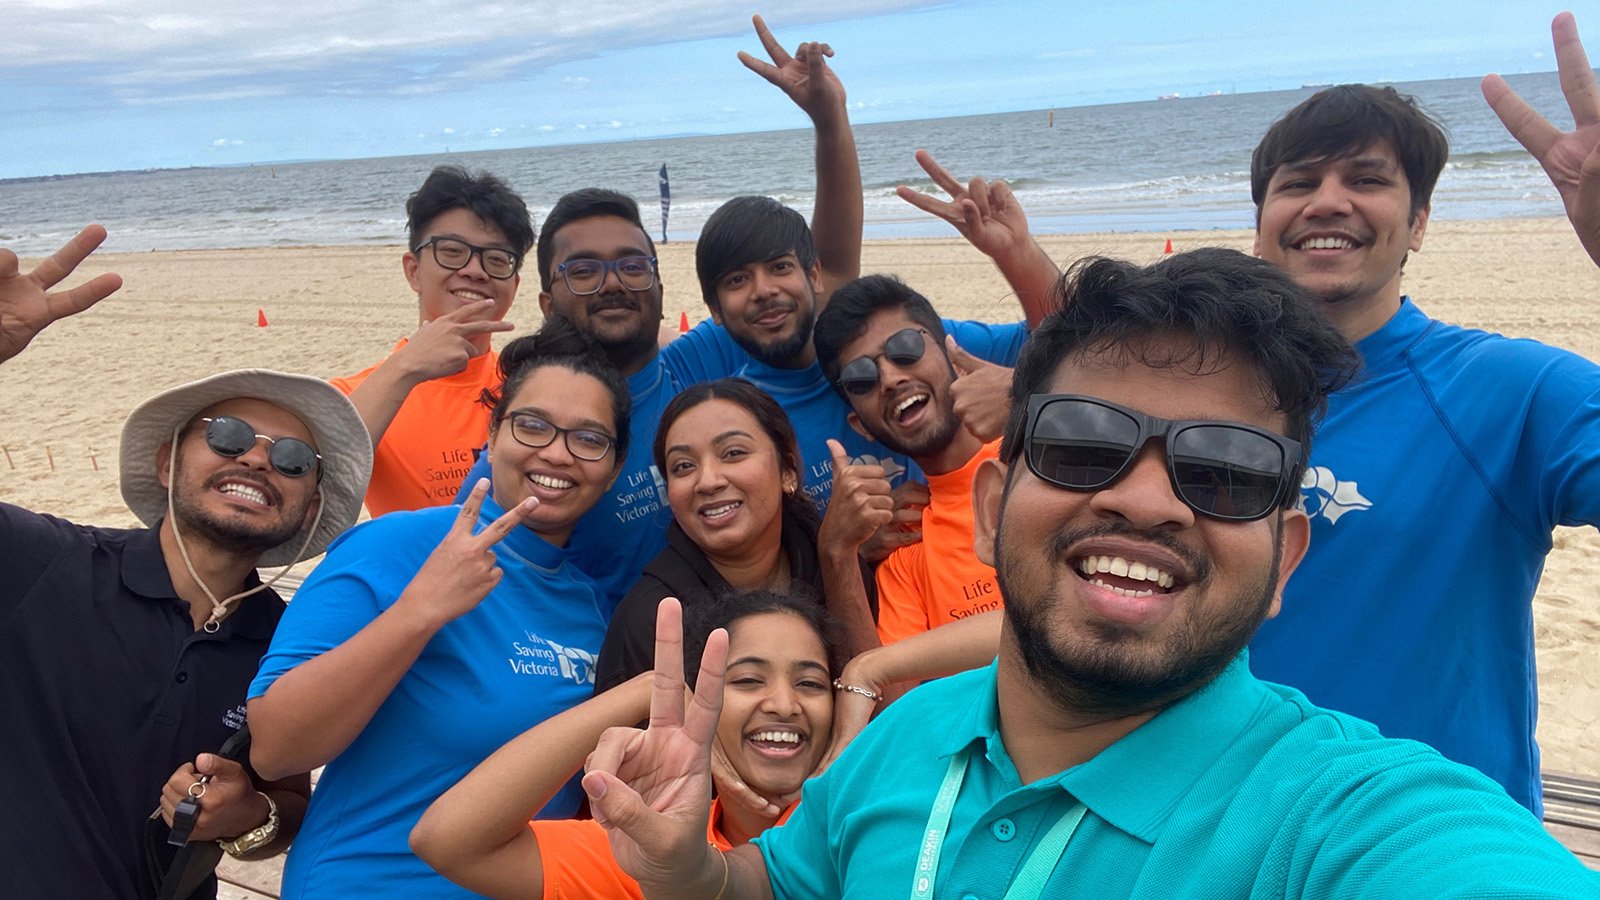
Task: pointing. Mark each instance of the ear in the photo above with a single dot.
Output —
(988, 489)
(544, 304)
(1294, 532)
(857, 427)
(408, 265)
(816, 277)
(164, 464)
(1419, 225)
(716, 311)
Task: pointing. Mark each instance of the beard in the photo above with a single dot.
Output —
(624, 350)
(927, 443)
(780, 352)
(1102, 674)
(235, 534)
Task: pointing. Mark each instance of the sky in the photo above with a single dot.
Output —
(102, 85)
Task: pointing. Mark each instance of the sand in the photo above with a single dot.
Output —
(331, 311)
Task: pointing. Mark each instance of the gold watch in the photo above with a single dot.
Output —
(257, 837)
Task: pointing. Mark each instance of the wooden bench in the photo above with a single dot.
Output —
(1572, 814)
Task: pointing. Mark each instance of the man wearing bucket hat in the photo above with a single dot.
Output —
(125, 653)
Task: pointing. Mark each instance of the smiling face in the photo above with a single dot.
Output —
(725, 481)
(441, 290)
(1342, 228)
(565, 486)
(625, 323)
(777, 703)
(769, 308)
(242, 503)
(1123, 599)
(910, 410)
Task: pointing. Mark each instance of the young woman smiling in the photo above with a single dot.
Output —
(428, 638)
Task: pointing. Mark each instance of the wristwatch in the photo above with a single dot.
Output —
(257, 837)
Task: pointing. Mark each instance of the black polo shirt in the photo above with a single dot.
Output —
(106, 688)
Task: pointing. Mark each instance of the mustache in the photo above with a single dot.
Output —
(618, 300)
(251, 476)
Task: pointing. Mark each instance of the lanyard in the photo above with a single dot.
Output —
(1036, 869)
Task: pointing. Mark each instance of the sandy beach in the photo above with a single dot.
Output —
(332, 311)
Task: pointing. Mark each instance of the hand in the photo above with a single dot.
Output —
(805, 77)
(27, 307)
(1572, 158)
(462, 570)
(986, 213)
(862, 501)
(732, 789)
(978, 383)
(851, 712)
(230, 806)
(444, 346)
(904, 527)
(651, 789)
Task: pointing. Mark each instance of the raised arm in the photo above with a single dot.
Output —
(811, 83)
(28, 306)
(1570, 158)
(988, 215)
(477, 833)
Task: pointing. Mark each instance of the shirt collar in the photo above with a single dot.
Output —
(523, 542)
(144, 573)
(773, 379)
(1384, 348)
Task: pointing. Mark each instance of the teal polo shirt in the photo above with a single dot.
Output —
(1242, 789)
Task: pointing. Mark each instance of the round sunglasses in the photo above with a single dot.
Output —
(1224, 470)
(903, 348)
(233, 437)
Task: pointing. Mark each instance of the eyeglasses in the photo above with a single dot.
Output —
(1225, 470)
(587, 276)
(454, 254)
(232, 437)
(903, 348)
(536, 431)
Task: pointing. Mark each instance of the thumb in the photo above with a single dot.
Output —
(964, 362)
(612, 803)
(841, 459)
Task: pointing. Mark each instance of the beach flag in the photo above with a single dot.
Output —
(261, 318)
(666, 201)
(1169, 246)
(683, 323)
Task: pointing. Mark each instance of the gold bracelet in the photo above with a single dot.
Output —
(724, 857)
(868, 693)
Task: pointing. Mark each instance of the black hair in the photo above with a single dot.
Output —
(558, 342)
(584, 203)
(852, 304)
(768, 414)
(748, 230)
(724, 609)
(1344, 120)
(484, 195)
(1233, 307)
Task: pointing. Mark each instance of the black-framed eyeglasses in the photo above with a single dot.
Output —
(903, 348)
(533, 430)
(233, 437)
(454, 254)
(587, 276)
(1225, 470)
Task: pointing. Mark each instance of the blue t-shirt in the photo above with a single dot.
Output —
(1241, 789)
(524, 654)
(1433, 487)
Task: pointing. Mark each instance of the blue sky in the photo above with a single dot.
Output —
(95, 85)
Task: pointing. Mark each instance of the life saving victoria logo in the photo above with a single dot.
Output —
(1323, 495)
(534, 655)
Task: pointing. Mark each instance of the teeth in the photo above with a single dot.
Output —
(549, 481)
(1123, 591)
(906, 404)
(248, 493)
(1326, 243)
(779, 737)
(471, 295)
(1116, 565)
(722, 509)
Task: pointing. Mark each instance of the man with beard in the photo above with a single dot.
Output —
(882, 347)
(1119, 746)
(125, 653)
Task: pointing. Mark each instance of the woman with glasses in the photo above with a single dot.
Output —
(426, 639)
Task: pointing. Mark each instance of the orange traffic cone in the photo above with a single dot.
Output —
(261, 319)
(1169, 246)
(683, 323)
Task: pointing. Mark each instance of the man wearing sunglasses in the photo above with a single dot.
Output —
(468, 235)
(125, 653)
(882, 346)
(1119, 746)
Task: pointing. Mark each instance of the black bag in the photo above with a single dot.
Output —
(176, 873)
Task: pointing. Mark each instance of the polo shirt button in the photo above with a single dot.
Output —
(1003, 829)
(182, 677)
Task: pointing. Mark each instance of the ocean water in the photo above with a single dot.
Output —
(1152, 166)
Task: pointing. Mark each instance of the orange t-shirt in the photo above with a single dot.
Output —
(577, 861)
(940, 579)
(433, 440)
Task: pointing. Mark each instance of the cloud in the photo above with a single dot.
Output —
(227, 142)
(194, 48)
(448, 131)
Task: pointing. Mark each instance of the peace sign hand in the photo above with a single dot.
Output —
(985, 212)
(27, 306)
(462, 570)
(805, 76)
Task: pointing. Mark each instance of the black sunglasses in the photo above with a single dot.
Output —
(1225, 470)
(233, 438)
(903, 348)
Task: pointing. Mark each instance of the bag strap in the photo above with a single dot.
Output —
(194, 862)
